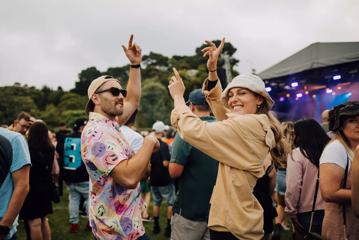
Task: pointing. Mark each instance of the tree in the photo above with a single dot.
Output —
(155, 104)
(85, 78)
(72, 101)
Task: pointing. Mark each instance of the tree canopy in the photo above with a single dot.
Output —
(57, 106)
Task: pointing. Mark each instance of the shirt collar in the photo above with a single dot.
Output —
(97, 117)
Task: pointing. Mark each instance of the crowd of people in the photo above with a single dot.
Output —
(231, 171)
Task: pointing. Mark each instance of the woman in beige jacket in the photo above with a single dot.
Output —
(245, 132)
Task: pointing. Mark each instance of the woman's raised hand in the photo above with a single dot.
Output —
(176, 86)
(212, 52)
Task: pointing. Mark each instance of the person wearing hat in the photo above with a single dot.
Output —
(243, 135)
(162, 186)
(196, 175)
(114, 169)
(336, 173)
(74, 173)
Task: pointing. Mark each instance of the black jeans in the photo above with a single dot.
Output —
(222, 235)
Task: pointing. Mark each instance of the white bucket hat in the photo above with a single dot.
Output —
(251, 82)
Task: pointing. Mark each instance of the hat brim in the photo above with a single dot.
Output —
(265, 95)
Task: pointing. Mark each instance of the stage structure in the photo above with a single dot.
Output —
(316, 78)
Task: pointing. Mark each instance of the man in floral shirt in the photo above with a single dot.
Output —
(114, 169)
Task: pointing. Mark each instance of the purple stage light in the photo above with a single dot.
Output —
(294, 84)
(281, 99)
(328, 90)
(337, 77)
(268, 89)
(299, 95)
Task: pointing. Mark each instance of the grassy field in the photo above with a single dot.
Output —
(60, 225)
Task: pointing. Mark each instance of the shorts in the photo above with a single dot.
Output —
(165, 192)
(280, 183)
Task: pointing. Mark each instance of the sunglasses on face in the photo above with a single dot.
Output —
(114, 91)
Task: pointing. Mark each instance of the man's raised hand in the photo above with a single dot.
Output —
(133, 52)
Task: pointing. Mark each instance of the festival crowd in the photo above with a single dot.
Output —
(226, 168)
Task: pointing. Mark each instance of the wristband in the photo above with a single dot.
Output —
(212, 70)
(135, 65)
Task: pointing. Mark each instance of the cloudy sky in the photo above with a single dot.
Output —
(48, 42)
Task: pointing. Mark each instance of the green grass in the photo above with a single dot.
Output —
(60, 225)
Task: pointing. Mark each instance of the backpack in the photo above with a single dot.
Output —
(5, 158)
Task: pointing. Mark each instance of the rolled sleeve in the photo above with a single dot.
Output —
(107, 153)
(213, 98)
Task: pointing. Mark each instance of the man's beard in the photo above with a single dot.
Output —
(113, 112)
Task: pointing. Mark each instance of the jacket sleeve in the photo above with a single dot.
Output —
(294, 181)
(228, 141)
(213, 98)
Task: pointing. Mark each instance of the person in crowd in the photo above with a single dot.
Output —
(55, 166)
(336, 173)
(263, 191)
(355, 182)
(114, 169)
(304, 203)
(162, 186)
(325, 120)
(196, 175)
(244, 133)
(170, 134)
(15, 185)
(61, 134)
(74, 174)
(135, 140)
(21, 123)
(279, 195)
(38, 203)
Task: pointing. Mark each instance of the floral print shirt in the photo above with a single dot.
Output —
(114, 211)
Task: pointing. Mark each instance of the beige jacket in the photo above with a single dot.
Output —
(240, 143)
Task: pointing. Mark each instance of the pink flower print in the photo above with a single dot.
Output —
(120, 207)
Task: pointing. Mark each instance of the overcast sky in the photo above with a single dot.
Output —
(48, 42)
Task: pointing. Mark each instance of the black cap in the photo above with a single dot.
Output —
(338, 112)
(80, 122)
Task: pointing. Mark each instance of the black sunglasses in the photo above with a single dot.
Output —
(114, 91)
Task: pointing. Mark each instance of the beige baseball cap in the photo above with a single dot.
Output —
(95, 84)
(251, 82)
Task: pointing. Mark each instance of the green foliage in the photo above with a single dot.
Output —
(14, 99)
(55, 106)
(72, 101)
(85, 78)
(154, 104)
